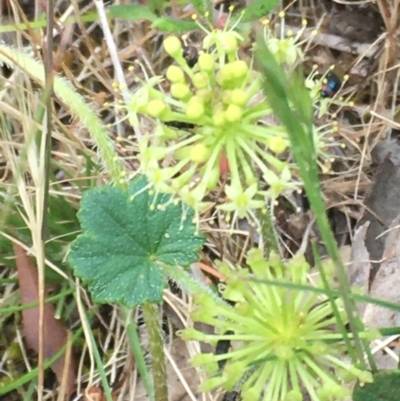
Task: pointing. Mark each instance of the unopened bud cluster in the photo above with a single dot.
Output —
(225, 126)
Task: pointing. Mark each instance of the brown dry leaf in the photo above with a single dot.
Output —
(94, 393)
(55, 334)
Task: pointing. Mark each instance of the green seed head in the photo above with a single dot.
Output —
(156, 107)
(219, 118)
(195, 109)
(225, 75)
(200, 80)
(277, 144)
(199, 153)
(175, 74)
(228, 42)
(233, 113)
(239, 69)
(180, 91)
(173, 46)
(239, 97)
(206, 62)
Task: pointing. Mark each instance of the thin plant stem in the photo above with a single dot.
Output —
(100, 367)
(134, 342)
(156, 344)
(186, 282)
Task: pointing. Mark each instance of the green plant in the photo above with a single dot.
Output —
(132, 242)
(285, 339)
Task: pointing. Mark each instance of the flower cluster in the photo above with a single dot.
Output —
(213, 121)
(284, 340)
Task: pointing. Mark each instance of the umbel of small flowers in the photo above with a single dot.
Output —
(283, 339)
(229, 127)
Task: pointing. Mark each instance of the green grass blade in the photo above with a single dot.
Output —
(292, 105)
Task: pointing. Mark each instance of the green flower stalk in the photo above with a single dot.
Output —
(226, 128)
(284, 340)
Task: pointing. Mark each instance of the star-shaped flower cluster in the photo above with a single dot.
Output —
(284, 339)
(228, 127)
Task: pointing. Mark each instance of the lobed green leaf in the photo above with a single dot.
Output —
(125, 243)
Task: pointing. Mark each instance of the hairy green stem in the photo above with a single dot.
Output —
(188, 283)
(134, 342)
(267, 234)
(156, 345)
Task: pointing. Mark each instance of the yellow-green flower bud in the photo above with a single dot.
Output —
(277, 144)
(180, 91)
(206, 62)
(225, 74)
(155, 108)
(195, 109)
(200, 80)
(199, 153)
(173, 46)
(175, 74)
(219, 119)
(239, 97)
(228, 41)
(233, 113)
(239, 69)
